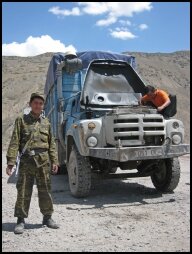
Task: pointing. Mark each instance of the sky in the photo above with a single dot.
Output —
(32, 28)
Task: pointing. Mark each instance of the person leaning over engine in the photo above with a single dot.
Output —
(159, 98)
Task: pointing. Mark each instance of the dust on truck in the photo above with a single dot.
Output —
(93, 104)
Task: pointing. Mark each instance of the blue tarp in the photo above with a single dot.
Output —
(86, 58)
(89, 56)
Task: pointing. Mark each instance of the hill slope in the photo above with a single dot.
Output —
(24, 75)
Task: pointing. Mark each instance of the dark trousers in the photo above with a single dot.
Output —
(28, 172)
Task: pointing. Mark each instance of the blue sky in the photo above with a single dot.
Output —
(32, 28)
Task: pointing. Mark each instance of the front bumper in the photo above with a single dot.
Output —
(140, 152)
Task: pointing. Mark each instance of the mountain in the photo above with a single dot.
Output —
(24, 75)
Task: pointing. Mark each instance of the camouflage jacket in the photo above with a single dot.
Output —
(42, 137)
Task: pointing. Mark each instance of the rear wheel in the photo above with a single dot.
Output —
(79, 173)
(167, 176)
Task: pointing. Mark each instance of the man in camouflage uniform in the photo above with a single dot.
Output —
(34, 163)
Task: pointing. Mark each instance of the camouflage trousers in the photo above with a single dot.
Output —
(28, 173)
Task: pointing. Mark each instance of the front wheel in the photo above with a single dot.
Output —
(79, 173)
(167, 176)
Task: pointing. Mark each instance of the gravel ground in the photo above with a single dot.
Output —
(119, 215)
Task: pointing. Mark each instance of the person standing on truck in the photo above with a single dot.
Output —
(34, 131)
(159, 98)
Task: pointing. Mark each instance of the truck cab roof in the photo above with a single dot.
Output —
(86, 57)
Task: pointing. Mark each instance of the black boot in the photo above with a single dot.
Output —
(49, 222)
(19, 228)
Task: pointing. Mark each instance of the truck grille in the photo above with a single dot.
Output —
(137, 129)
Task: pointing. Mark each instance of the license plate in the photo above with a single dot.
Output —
(149, 152)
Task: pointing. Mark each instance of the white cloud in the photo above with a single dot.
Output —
(122, 33)
(125, 22)
(113, 12)
(106, 22)
(94, 8)
(116, 9)
(121, 29)
(143, 26)
(35, 46)
(111, 9)
(57, 11)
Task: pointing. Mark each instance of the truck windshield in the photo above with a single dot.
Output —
(111, 84)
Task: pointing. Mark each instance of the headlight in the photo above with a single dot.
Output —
(175, 125)
(176, 139)
(92, 141)
(91, 126)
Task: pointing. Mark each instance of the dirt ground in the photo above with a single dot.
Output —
(119, 215)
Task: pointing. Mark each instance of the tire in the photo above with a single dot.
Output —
(79, 173)
(168, 175)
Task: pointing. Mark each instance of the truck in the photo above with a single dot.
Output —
(99, 125)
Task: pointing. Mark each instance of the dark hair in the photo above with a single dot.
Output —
(149, 89)
(34, 97)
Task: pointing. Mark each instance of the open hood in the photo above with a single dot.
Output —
(110, 82)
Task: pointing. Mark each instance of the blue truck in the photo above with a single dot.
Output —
(99, 124)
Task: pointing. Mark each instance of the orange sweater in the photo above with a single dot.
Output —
(160, 98)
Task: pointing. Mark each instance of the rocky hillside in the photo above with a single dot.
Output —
(24, 75)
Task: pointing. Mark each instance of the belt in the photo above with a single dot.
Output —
(36, 151)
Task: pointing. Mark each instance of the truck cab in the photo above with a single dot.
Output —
(99, 124)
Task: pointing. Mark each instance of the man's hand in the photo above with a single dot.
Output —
(54, 169)
(9, 170)
(160, 109)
